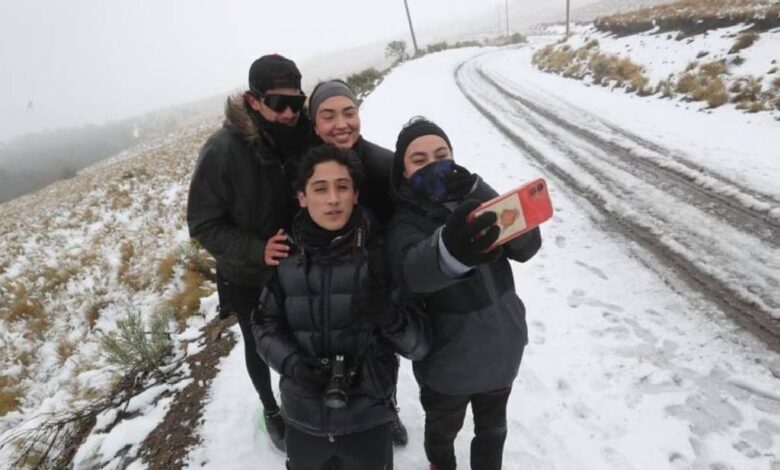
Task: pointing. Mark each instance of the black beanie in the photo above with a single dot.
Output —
(416, 127)
(273, 71)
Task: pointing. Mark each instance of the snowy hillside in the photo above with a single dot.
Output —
(724, 67)
(82, 254)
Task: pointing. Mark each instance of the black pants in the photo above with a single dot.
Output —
(240, 301)
(444, 416)
(366, 450)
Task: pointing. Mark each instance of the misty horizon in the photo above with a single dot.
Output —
(89, 63)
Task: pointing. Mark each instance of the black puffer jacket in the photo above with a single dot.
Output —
(375, 193)
(479, 326)
(306, 310)
(241, 193)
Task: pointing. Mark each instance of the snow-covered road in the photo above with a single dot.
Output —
(716, 233)
(626, 367)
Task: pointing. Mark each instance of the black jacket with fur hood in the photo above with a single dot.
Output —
(241, 192)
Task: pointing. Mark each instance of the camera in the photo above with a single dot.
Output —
(336, 391)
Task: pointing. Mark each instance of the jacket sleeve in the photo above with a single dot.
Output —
(208, 203)
(412, 335)
(415, 259)
(275, 344)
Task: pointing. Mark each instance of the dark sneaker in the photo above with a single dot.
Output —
(274, 426)
(398, 432)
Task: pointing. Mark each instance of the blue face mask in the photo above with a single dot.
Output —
(430, 181)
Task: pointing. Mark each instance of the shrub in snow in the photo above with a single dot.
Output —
(363, 83)
(134, 349)
(744, 41)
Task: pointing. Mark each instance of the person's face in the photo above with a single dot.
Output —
(286, 116)
(338, 122)
(329, 195)
(424, 150)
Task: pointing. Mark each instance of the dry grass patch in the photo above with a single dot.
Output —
(165, 269)
(25, 309)
(693, 17)
(54, 278)
(713, 92)
(65, 349)
(126, 252)
(605, 69)
(713, 69)
(10, 395)
(186, 302)
(744, 41)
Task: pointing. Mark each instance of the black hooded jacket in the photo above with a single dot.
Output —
(241, 192)
(375, 192)
(479, 327)
(307, 310)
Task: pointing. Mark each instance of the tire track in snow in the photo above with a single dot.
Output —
(598, 169)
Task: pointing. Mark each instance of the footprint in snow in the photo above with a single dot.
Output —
(576, 298)
(560, 241)
(593, 270)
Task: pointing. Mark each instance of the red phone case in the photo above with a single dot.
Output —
(519, 210)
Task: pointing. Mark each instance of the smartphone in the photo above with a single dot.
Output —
(519, 210)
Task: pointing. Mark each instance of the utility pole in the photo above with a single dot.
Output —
(567, 19)
(411, 28)
(506, 9)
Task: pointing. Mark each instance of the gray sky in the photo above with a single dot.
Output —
(66, 63)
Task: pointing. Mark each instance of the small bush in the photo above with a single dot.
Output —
(714, 93)
(686, 84)
(135, 350)
(363, 83)
(744, 41)
(776, 83)
(197, 259)
(396, 49)
(713, 69)
(437, 47)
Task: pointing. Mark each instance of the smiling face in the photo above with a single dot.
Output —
(329, 195)
(424, 150)
(338, 122)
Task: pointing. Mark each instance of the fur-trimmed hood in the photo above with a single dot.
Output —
(239, 120)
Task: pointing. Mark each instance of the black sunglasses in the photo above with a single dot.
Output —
(281, 102)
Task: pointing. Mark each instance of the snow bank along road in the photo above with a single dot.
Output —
(719, 235)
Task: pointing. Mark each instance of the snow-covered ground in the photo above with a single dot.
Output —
(625, 368)
(662, 54)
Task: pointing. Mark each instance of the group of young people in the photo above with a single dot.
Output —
(336, 255)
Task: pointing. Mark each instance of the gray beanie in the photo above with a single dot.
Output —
(329, 89)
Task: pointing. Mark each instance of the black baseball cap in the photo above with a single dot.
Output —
(273, 71)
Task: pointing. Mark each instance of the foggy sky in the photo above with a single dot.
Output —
(67, 63)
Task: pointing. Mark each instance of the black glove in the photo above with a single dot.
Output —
(311, 374)
(460, 183)
(464, 240)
